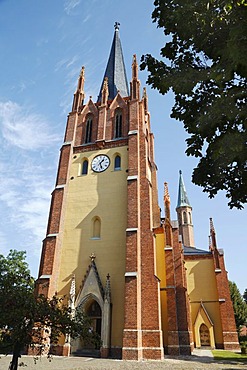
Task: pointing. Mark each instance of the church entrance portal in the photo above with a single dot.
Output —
(204, 335)
(91, 345)
(93, 311)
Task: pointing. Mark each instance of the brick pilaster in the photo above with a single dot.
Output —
(142, 328)
(51, 251)
(230, 337)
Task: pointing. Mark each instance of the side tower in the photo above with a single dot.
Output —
(99, 249)
(184, 213)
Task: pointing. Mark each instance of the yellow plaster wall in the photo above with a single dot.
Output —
(103, 195)
(161, 274)
(201, 285)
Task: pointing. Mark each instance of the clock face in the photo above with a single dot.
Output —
(100, 163)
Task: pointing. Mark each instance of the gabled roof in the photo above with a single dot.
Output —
(183, 200)
(115, 70)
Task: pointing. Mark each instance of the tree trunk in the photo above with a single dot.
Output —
(16, 354)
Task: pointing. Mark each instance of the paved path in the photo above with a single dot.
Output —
(200, 360)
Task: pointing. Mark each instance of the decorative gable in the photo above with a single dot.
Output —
(92, 287)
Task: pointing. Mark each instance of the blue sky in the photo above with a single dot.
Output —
(43, 45)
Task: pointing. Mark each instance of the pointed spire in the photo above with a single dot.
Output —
(135, 83)
(107, 294)
(145, 99)
(183, 200)
(79, 95)
(167, 201)
(105, 92)
(168, 227)
(115, 70)
(213, 244)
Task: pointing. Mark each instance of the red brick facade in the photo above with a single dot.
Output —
(230, 337)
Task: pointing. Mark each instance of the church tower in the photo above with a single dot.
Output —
(99, 249)
(184, 214)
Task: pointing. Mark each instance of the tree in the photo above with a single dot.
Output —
(239, 305)
(205, 65)
(245, 296)
(29, 321)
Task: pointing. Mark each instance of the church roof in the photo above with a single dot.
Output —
(115, 69)
(183, 200)
(189, 251)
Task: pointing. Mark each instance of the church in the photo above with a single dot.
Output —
(148, 290)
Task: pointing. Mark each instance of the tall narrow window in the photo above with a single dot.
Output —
(118, 124)
(96, 228)
(117, 163)
(190, 218)
(88, 136)
(84, 167)
(185, 217)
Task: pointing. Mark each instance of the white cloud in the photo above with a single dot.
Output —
(70, 5)
(66, 63)
(86, 18)
(24, 129)
(27, 177)
(3, 243)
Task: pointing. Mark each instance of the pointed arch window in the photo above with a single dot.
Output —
(117, 163)
(118, 124)
(84, 167)
(185, 217)
(96, 228)
(190, 218)
(88, 135)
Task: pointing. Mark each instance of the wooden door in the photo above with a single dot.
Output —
(204, 335)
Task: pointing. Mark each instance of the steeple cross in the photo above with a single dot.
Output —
(116, 26)
(92, 256)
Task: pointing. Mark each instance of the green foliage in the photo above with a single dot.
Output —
(239, 305)
(245, 296)
(228, 356)
(29, 321)
(204, 63)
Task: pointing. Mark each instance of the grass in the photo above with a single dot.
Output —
(229, 356)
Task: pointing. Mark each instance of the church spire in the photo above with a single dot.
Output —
(115, 70)
(184, 212)
(183, 200)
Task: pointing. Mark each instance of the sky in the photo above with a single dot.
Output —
(43, 45)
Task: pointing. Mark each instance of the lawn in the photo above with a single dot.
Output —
(229, 356)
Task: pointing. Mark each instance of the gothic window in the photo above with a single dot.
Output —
(190, 218)
(84, 167)
(117, 163)
(88, 136)
(96, 228)
(118, 124)
(185, 217)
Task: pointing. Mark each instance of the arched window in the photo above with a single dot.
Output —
(96, 228)
(88, 136)
(190, 218)
(84, 167)
(118, 124)
(117, 163)
(185, 217)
